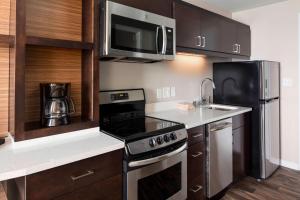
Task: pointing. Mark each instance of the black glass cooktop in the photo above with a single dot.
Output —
(138, 128)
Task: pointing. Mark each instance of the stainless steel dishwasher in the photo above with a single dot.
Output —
(219, 156)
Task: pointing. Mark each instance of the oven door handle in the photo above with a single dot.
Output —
(158, 158)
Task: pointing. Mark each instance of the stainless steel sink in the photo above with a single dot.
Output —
(220, 107)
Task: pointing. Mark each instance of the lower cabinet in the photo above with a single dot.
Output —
(196, 164)
(240, 151)
(108, 189)
(94, 178)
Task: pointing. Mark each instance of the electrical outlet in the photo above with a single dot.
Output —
(158, 93)
(166, 92)
(173, 91)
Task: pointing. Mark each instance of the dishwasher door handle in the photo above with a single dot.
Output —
(221, 127)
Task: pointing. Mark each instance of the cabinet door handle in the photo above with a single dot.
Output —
(198, 41)
(196, 189)
(235, 48)
(198, 135)
(88, 173)
(197, 154)
(204, 42)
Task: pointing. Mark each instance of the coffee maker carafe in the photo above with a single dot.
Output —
(56, 104)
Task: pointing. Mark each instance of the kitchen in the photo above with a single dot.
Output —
(157, 76)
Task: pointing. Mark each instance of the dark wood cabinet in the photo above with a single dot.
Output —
(159, 7)
(94, 178)
(210, 32)
(187, 25)
(238, 154)
(240, 149)
(196, 164)
(228, 29)
(207, 32)
(244, 39)
(108, 189)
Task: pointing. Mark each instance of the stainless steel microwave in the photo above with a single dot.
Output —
(130, 34)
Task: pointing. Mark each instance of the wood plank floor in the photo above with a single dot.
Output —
(283, 185)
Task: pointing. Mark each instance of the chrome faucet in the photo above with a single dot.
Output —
(203, 100)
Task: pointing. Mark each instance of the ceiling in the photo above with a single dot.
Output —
(238, 5)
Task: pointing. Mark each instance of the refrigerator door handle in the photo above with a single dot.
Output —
(262, 141)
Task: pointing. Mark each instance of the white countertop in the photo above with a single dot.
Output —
(198, 116)
(32, 156)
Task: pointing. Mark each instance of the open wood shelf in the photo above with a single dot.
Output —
(55, 41)
(40, 41)
(7, 39)
(35, 129)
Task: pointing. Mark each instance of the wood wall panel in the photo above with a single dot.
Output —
(45, 64)
(56, 19)
(4, 85)
(4, 16)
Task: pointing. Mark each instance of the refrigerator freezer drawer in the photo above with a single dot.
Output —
(270, 137)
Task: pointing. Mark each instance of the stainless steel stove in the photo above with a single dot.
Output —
(155, 149)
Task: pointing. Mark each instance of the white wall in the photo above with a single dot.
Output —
(275, 37)
(185, 73)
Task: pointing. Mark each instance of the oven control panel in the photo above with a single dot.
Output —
(156, 142)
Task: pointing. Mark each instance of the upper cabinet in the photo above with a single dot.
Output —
(187, 26)
(244, 39)
(199, 29)
(159, 7)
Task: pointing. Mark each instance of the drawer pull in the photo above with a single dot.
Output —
(88, 173)
(198, 135)
(197, 154)
(196, 189)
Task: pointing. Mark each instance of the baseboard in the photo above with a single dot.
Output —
(289, 164)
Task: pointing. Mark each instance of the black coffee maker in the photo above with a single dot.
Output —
(56, 104)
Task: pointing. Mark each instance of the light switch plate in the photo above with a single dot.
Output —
(166, 92)
(158, 93)
(173, 92)
(287, 82)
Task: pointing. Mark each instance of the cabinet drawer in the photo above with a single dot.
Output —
(195, 162)
(196, 135)
(196, 189)
(110, 189)
(65, 179)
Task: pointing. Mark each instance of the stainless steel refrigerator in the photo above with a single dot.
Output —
(254, 84)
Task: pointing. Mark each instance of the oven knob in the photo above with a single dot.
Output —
(152, 142)
(159, 140)
(166, 138)
(173, 136)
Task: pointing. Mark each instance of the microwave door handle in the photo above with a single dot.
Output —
(160, 51)
(164, 46)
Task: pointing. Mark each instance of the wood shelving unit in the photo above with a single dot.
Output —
(39, 41)
(55, 41)
(7, 39)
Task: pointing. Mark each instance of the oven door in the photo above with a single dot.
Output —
(166, 179)
(135, 33)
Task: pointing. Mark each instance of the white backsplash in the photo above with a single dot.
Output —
(117, 75)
